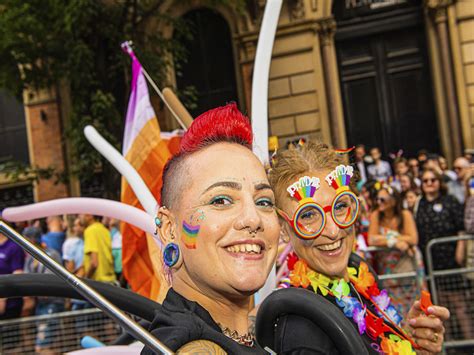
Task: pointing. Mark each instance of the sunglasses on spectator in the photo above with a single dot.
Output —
(458, 168)
(381, 199)
(426, 181)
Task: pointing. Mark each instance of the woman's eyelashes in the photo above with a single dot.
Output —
(265, 202)
(221, 200)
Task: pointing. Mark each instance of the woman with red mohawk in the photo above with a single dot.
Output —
(219, 232)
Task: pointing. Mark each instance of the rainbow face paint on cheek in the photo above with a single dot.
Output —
(190, 234)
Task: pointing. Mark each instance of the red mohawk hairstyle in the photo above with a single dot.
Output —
(221, 124)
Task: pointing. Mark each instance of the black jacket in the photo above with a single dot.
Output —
(181, 321)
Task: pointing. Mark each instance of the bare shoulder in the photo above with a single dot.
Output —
(407, 214)
(201, 347)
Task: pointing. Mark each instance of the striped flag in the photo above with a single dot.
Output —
(147, 152)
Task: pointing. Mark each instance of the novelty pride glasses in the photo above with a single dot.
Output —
(309, 218)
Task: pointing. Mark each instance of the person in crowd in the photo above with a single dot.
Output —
(98, 260)
(437, 215)
(113, 225)
(407, 182)
(414, 167)
(369, 193)
(322, 235)
(73, 247)
(12, 259)
(73, 255)
(47, 330)
(400, 166)
(457, 186)
(55, 236)
(393, 227)
(465, 249)
(443, 164)
(220, 236)
(380, 170)
(410, 198)
(422, 156)
(360, 164)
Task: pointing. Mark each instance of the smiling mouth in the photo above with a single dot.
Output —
(251, 249)
(330, 247)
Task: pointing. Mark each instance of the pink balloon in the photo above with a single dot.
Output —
(86, 205)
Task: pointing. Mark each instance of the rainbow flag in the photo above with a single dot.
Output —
(144, 148)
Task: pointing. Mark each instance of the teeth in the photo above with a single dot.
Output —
(330, 247)
(245, 248)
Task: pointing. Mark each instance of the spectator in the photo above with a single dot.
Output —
(422, 156)
(457, 187)
(47, 331)
(414, 167)
(443, 164)
(114, 227)
(380, 170)
(98, 260)
(73, 248)
(440, 215)
(12, 259)
(369, 194)
(55, 236)
(393, 227)
(400, 166)
(465, 250)
(407, 182)
(360, 164)
(410, 198)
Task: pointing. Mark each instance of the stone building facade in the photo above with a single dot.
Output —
(391, 73)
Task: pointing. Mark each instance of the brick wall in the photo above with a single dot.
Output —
(45, 143)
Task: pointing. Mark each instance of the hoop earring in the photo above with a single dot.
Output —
(171, 254)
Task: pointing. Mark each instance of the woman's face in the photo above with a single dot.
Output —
(385, 201)
(77, 228)
(226, 224)
(329, 253)
(429, 183)
(410, 198)
(405, 182)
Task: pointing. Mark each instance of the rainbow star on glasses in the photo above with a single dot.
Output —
(304, 189)
(340, 178)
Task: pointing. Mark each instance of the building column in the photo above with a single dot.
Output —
(326, 30)
(438, 11)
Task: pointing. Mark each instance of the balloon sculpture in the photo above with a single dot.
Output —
(139, 218)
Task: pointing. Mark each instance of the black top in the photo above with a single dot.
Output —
(296, 335)
(181, 321)
(442, 217)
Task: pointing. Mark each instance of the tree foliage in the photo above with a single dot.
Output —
(44, 42)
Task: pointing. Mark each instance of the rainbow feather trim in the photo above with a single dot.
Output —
(190, 235)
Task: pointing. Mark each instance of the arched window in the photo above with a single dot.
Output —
(209, 68)
(12, 130)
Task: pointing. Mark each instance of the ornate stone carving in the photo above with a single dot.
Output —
(297, 11)
(326, 28)
(437, 9)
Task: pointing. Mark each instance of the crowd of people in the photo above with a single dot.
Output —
(421, 200)
(403, 205)
(87, 245)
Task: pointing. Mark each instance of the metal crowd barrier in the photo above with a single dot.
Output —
(59, 332)
(454, 289)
